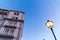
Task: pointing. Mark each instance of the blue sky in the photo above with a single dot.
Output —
(37, 12)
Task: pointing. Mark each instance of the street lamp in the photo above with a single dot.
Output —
(49, 24)
(43, 39)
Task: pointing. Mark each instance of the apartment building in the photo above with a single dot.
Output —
(11, 24)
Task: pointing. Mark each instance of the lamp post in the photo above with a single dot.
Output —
(43, 39)
(49, 24)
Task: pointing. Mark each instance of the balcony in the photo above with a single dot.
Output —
(9, 26)
(5, 33)
(3, 13)
(14, 20)
(6, 36)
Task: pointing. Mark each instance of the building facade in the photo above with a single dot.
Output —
(11, 24)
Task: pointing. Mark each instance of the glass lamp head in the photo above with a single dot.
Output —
(49, 24)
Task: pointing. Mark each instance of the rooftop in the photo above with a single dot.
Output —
(12, 11)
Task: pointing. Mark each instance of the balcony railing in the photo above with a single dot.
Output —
(6, 36)
(14, 20)
(9, 26)
(3, 13)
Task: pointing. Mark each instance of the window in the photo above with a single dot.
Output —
(12, 31)
(12, 23)
(1, 17)
(9, 31)
(6, 30)
(16, 13)
(14, 17)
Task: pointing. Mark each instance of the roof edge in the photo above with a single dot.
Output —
(12, 10)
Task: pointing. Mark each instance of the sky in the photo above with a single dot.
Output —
(37, 12)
